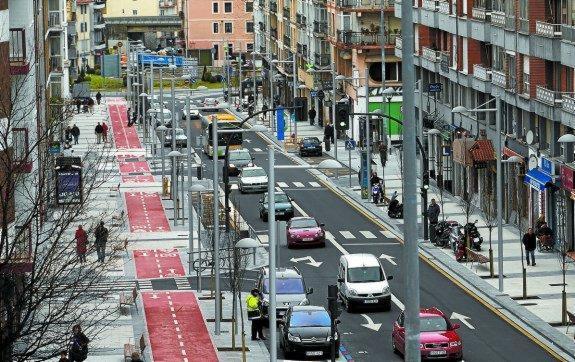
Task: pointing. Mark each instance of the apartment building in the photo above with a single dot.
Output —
(518, 52)
(155, 22)
(216, 27)
(341, 35)
(89, 32)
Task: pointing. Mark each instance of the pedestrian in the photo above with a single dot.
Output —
(135, 357)
(64, 357)
(328, 135)
(105, 131)
(101, 234)
(78, 345)
(85, 106)
(530, 243)
(91, 105)
(433, 212)
(68, 134)
(545, 235)
(99, 131)
(374, 179)
(98, 97)
(129, 116)
(75, 133)
(253, 303)
(311, 114)
(81, 243)
(382, 153)
(78, 105)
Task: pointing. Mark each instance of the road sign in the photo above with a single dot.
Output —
(313, 94)
(54, 148)
(350, 144)
(434, 87)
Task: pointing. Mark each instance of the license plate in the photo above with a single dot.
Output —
(314, 353)
(437, 353)
(370, 301)
(307, 239)
(279, 213)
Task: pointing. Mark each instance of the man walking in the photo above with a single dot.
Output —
(75, 133)
(81, 243)
(433, 212)
(328, 136)
(311, 114)
(98, 97)
(530, 243)
(105, 132)
(99, 130)
(129, 116)
(253, 303)
(382, 153)
(101, 234)
(78, 345)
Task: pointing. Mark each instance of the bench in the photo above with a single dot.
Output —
(475, 257)
(570, 322)
(128, 300)
(131, 349)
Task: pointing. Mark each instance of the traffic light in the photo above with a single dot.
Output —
(300, 113)
(342, 116)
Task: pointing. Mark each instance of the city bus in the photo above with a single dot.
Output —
(225, 121)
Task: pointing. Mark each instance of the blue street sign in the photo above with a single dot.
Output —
(434, 87)
(280, 123)
(313, 94)
(350, 144)
(54, 148)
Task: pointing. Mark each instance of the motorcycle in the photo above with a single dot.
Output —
(461, 249)
(376, 193)
(395, 209)
(470, 231)
(443, 232)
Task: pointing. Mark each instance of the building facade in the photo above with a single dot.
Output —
(216, 27)
(518, 52)
(89, 32)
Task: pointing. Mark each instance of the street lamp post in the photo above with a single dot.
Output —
(174, 155)
(161, 128)
(143, 97)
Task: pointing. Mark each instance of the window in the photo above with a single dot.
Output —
(216, 51)
(228, 28)
(83, 27)
(215, 8)
(215, 28)
(162, 12)
(134, 12)
(250, 47)
(230, 48)
(227, 7)
(20, 142)
(249, 6)
(249, 26)
(83, 9)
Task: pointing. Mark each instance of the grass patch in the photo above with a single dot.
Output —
(100, 83)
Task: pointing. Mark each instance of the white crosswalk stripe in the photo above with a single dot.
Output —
(346, 234)
(298, 184)
(145, 284)
(282, 184)
(234, 186)
(368, 234)
(182, 283)
(315, 184)
(388, 234)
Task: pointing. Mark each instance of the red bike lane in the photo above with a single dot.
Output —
(176, 328)
(146, 212)
(125, 138)
(158, 263)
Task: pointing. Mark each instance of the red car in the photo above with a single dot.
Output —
(304, 231)
(438, 338)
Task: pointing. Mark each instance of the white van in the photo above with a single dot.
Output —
(363, 282)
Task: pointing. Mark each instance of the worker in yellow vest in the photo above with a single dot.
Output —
(253, 303)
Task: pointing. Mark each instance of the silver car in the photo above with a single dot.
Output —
(290, 289)
(253, 179)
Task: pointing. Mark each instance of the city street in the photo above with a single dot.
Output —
(485, 335)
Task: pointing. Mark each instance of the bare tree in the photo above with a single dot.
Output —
(44, 289)
(562, 253)
(490, 216)
(518, 205)
(466, 202)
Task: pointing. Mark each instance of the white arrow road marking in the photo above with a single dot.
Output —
(311, 262)
(154, 296)
(389, 258)
(462, 318)
(370, 324)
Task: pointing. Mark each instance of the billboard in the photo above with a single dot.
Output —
(68, 180)
(160, 60)
(110, 66)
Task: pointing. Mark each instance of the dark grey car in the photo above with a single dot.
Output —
(239, 159)
(284, 207)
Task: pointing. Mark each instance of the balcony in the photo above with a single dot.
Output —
(99, 22)
(430, 54)
(287, 41)
(547, 96)
(498, 18)
(365, 5)
(444, 7)
(55, 18)
(262, 26)
(430, 5)
(322, 60)
(273, 7)
(480, 14)
(320, 27)
(19, 64)
(548, 30)
(568, 103)
(167, 3)
(482, 73)
(301, 49)
(56, 63)
(274, 33)
(358, 39)
(301, 19)
(262, 4)
(445, 61)
(99, 45)
(99, 4)
(499, 78)
(287, 13)
(398, 42)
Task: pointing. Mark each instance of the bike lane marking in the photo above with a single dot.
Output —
(146, 212)
(176, 328)
(158, 263)
(124, 137)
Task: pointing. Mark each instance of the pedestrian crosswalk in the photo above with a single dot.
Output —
(182, 283)
(288, 185)
(345, 235)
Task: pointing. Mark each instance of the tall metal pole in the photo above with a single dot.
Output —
(333, 73)
(128, 75)
(199, 241)
(499, 194)
(216, 224)
(410, 249)
(367, 132)
(190, 201)
(254, 81)
(151, 91)
(162, 123)
(272, 103)
(383, 121)
(174, 160)
(295, 87)
(272, 253)
(241, 93)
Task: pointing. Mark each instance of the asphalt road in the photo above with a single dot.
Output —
(490, 337)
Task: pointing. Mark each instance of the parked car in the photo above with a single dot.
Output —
(310, 146)
(283, 206)
(306, 331)
(211, 104)
(253, 179)
(438, 336)
(156, 115)
(239, 159)
(181, 138)
(290, 289)
(194, 113)
(305, 231)
(362, 282)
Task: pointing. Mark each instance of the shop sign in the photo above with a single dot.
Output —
(567, 177)
(547, 166)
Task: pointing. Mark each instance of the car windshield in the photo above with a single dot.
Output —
(432, 324)
(278, 198)
(286, 286)
(240, 156)
(311, 318)
(254, 172)
(303, 223)
(310, 141)
(364, 274)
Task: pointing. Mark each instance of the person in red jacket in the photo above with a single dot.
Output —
(81, 243)
(105, 131)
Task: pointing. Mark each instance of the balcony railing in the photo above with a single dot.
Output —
(499, 78)
(524, 25)
(287, 13)
(398, 42)
(273, 7)
(429, 5)
(445, 60)
(547, 96)
(322, 60)
(320, 27)
(364, 4)
(444, 7)
(509, 22)
(167, 3)
(430, 54)
(287, 40)
(547, 29)
(568, 103)
(358, 38)
(55, 19)
(498, 18)
(568, 33)
(479, 13)
(481, 72)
